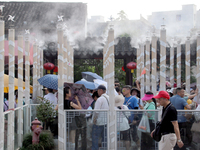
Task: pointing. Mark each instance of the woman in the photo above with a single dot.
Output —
(146, 140)
(70, 105)
(123, 122)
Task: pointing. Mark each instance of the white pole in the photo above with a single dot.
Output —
(187, 64)
(41, 69)
(198, 63)
(61, 123)
(2, 36)
(35, 82)
(65, 50)
(20, 89)
(38, 71)
(142, 68)
(147, 64)
(138, 64)
(172, 66)
(27, 84)
(178, 65)
(154, 64)
(162, 59)
(11, 37)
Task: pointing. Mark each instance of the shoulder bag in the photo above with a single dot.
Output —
(157, 133)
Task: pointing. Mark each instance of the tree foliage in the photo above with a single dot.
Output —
(121, 16)
(45, 111)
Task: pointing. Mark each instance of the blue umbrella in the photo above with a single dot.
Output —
(90, 76)
(88, 85)
(49, 81)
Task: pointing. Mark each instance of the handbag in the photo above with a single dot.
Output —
(157, 132)
(144, 124)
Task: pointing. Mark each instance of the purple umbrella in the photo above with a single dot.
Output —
(80, 90)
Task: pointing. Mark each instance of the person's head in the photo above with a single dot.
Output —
(135, 92)
(119, 100)
(101, 90)
(118, 90)
(126, 90)
(163, 98)
(45, 91)
(180, 92)
(50, 90)
(117, 83)
(170, 91)
(16, 94)
(67, 93)
(95, 95)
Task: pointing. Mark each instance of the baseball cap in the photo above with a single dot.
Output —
(162, 94)
(101, 87)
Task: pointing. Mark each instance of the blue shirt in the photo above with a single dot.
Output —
(179, 103)
(131, 102)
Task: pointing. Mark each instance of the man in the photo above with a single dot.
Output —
(179, 103)
(118, 90)
(117, 83)
(132, 103)
(169, 127)
(99, 119)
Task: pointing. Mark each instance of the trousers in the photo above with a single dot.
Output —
(168, 142)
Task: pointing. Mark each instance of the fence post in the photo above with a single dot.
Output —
(2, 83)
(187, 65)
(154, 64)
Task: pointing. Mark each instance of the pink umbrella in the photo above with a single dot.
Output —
(80, 90)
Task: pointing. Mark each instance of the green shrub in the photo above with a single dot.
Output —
(46, 142)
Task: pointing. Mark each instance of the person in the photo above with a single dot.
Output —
(180, 103)
(169, 127)
(99, 119)
(117, 84)
(146, 140)
(95, 96)
(51, 97)
(135, 92)
(123, 123)
(132, 103)
(71, 123)
(118, 90)
(45, 91)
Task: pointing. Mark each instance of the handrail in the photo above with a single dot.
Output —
(9, 111)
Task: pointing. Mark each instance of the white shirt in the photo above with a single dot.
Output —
(101, 103)
(51, 97)
(122, 121)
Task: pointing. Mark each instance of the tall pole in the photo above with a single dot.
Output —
(163, 58)
(65, 58)
(187, 64)
(109, 64)
(172, 65)
(27, 79)
(147, 64)
(72, 51)
(20, 89)
(142, 68)
(2, 36)
(38, 70)
(61, 115)
(198, 62)
(138, 64)
(41, 67)
(35, 82)
(11, 37)
(178, 65)
(154, 63)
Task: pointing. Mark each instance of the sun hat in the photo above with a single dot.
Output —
(135, 89)
(162, 94)
(119, 100)
(147, 97)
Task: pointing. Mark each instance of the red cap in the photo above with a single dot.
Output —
(162, 94)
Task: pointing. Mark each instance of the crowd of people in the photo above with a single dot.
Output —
(92, 127)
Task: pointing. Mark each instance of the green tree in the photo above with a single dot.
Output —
(121, 16)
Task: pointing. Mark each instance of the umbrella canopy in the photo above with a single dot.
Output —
(79, 89)
(90, 76)
(49, 81)
(88, 85)
(6, 84)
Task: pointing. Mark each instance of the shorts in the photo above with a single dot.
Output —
(125, 135)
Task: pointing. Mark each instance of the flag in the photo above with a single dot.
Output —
(143, 71)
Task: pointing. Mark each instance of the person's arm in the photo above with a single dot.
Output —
(177, 132)
(192, 96)
(56, 107)
(137, 85)
(76, 106)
